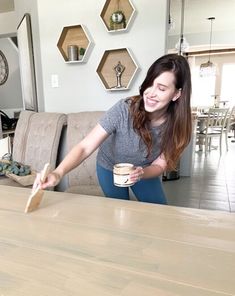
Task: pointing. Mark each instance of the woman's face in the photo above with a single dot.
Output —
(158, 96)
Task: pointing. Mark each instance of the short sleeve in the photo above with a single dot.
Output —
(112, 119)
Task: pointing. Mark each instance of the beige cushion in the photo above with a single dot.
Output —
(83, 179)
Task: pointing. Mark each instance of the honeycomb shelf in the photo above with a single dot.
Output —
(76, 36)
(117, 15)
(106, 69)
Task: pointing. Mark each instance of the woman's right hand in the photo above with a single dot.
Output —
(51, 180)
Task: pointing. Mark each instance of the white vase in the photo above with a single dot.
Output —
(117, 17)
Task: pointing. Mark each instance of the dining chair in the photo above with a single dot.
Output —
(230, 124)
(215, 126)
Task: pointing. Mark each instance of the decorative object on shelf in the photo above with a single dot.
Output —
(4, 69)
(182, 45)
(77, 37)
(27, 67)
(208, 68)
(72, 52)
(82, 51)
(117, 18)
(117, 15)
(119, 69)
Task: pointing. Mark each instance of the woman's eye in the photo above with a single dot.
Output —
(162, 89)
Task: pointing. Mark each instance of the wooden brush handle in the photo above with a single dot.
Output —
(45, 172)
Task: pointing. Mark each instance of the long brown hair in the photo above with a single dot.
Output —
(176, 131)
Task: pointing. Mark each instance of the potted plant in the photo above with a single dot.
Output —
(82, 51)
(117, 18)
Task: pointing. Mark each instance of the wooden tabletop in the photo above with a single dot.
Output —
(84, 245)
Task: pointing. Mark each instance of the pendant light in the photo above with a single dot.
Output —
(208, 68)
(182, 45)
(171, 24)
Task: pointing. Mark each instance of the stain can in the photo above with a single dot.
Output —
(121, 174)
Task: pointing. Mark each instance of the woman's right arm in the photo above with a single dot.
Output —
(75, 157)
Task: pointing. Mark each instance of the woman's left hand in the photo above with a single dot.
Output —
(137, 174)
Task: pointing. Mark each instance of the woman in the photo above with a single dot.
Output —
(150, 131)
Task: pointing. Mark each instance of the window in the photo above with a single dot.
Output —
(203, 89)
(227, 83)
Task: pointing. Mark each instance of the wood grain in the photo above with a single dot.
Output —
(84, 245)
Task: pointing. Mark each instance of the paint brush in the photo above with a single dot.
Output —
(35, 197)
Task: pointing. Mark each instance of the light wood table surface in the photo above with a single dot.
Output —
(84, 245)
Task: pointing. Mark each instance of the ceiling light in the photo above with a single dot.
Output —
(182, 45)
(208, 68)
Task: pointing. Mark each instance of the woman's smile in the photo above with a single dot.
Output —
(151, 102)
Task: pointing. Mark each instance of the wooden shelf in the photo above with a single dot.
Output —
(110, 7)
(106, 71)
(74, 35)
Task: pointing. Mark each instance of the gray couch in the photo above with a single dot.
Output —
(83, 179)
(36, 140)
(47, 137)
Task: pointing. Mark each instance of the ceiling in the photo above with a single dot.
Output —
(6, 5)
(196, 13)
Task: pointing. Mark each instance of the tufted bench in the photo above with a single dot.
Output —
(36, 140)
(83, 179)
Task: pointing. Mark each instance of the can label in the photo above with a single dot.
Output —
(121, 174)
(122, 180)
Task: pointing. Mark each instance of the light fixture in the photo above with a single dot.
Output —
(208, 68)
(182, 45)
(171, 24)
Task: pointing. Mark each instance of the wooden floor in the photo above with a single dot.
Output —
(212, 185)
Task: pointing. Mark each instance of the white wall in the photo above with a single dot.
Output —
(26, 6)
(79, 86)
(10, 91)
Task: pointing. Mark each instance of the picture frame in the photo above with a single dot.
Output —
(26, 62)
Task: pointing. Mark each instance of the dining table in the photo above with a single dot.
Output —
(87, 245)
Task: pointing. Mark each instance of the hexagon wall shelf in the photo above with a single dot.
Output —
(110, 7)
(77, 36)
(106, 69)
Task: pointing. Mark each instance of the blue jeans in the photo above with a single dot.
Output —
(146, 190)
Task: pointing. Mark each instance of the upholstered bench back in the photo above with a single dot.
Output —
(37, 138)
(82, 179)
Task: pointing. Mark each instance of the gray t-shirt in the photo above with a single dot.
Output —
(124, 144)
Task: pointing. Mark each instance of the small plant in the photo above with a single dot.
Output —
(82, 51)
(117, 18)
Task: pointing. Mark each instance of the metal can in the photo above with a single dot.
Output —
(72, 52)
(121, 174)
